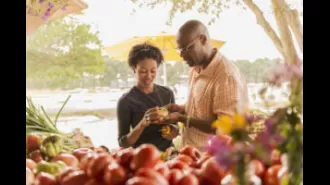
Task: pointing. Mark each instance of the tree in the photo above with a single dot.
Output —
(62, 50)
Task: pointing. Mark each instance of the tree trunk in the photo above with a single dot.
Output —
(290, 54)
(292, 16)
(261, 20)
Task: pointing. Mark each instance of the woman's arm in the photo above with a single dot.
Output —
(127, 138)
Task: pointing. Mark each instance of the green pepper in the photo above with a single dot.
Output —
(51, 168)
(52, 146)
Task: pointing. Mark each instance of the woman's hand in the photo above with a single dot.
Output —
(173, 134)
(152, 116)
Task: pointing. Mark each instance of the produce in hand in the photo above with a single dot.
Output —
(165, 130)
(52, 146)
(163, 111)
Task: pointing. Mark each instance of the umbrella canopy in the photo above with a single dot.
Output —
(49, 11)
(166, 43)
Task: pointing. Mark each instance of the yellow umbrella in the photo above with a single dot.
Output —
(165, 42)
(71, 6)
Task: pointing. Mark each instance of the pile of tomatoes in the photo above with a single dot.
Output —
(141, 166)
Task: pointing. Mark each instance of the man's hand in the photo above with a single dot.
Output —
(173, 117)
(152, 116)
(174, 108)
(173, 134)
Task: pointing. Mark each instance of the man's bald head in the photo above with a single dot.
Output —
(193, 28)
(194, 42)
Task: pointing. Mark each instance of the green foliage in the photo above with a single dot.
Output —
(63, 50)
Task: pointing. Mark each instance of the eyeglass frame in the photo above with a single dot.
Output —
(185, 49)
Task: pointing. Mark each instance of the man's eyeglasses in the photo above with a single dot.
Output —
(185, 49)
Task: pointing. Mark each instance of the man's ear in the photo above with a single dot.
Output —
(203, 39)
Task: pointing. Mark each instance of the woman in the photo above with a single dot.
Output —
(138, 119)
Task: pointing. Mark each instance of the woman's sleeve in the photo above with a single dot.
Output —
(124, 122)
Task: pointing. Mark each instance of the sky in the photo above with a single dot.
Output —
(244, 38)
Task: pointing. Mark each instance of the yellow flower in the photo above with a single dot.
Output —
(224, 125)
(239, 121)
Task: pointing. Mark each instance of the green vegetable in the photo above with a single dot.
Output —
(49, 167)
(52, 146)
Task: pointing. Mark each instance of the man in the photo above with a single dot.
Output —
(216, 86)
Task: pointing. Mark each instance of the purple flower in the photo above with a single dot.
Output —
(252, 118)
(283, 72)
(269, 124)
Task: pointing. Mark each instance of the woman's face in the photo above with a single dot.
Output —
(146, 71)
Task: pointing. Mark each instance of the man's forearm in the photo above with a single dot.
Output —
(202, 125)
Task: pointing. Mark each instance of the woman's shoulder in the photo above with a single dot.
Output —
(126, 95)
(163, 88)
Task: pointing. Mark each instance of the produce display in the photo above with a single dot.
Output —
(144, 165)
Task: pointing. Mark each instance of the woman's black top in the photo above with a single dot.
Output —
(130, 110)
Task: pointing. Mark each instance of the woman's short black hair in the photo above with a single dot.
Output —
(142, 51)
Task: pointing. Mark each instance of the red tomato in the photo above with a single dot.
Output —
(32, 143)
(77, 177)
(259, 168)
(186, 159)
(270, 177)
(68, 159)
(146, 155)
(173, 164)
(114, 174)
(188, 180)
(190, 151)
(212, 172)
(93, 182)
(64, 173)
(125, 157)
(95, 168)
(45, 179)
(36, 156)
(141, 181)
(150, 173)
(201, 161)
(80, 153)
(174, 176)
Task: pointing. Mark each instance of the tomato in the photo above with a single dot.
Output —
(86, 160)
(68, 159)
(59, 177)
(188, 180)
(32, 143)
(81, 152)
(162, 169)
(271, 175)
(200, 162)
(77, 177)
(96, 167)
(275, 157)
(228, 180)
(151, 174)
(45, 179)
(36, 156)
(173, 164)
(125, 157)
(93, 182)
(174, 176)
(147, 155)
(114, 174)
(211, 172)
(186, 159)
(30, 164)
(190, 151)
(259, 168)
(29, 176)
(141, 181)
